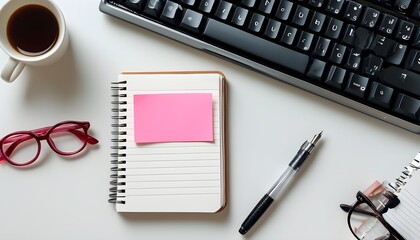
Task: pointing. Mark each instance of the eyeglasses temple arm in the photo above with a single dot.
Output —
(82, 136)
(12, 147)
(347, 208)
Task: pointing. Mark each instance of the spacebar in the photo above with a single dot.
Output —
(256, 46)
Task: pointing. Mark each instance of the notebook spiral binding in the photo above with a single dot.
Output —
(405, 174)
(118, 140)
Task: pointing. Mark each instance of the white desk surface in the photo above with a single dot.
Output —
(268, 121)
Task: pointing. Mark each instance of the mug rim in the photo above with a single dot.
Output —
(12, 6)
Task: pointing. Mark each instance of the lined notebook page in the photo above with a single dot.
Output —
(405, 217)
(176, 176)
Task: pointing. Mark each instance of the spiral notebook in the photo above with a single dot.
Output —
(169, 142)
(405, 217)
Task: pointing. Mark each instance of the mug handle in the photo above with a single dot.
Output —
(11, 70)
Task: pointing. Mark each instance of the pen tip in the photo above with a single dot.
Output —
(316, 138)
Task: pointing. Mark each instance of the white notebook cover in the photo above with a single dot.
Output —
(173, 176)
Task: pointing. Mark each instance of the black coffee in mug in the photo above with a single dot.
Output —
(32, 30)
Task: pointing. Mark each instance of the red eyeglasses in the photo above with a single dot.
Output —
(65, 138)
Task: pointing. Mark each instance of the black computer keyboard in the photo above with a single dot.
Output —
(365, 55)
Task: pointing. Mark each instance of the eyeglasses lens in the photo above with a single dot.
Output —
(69, 138)
(21, 149)
(367, 227)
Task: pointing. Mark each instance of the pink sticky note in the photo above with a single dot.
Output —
(178, 117)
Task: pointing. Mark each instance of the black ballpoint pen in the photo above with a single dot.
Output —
(276, 190)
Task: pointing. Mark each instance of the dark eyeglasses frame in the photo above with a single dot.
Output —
(44, 134)
(361, 198)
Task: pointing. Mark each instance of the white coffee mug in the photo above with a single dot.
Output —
(17, 61)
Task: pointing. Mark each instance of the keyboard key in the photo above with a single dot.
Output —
(301, 14)
(416, 11)
(154, 7)
(249, 3)
(350, 35)
(337, 53)
(223, 10)
(256, 22)
(388, 24)
(404, 30)
(322, 47)
(289, 35)
(416, 38)
(335, 77)
(188, 2)
(305, 41)
(380, 95)
(383, 46)
(363, 38)
(413, 60)
(191, 21)
(256, 46)
(135, 5)
(316, 3)
(317, 22)
(352, 11)
(398, 55)
(273, 28)
(316, 69)
(171, 12)
(407, 106)
(370, 17)
(266, 6)
(334, 6)
(389, 49)
(355, 57)
(333, 28)
(402, 5)
(356, 85)
(402, 79)
(372, 65)
(206, 5)
(284, 9)
(239, 16)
